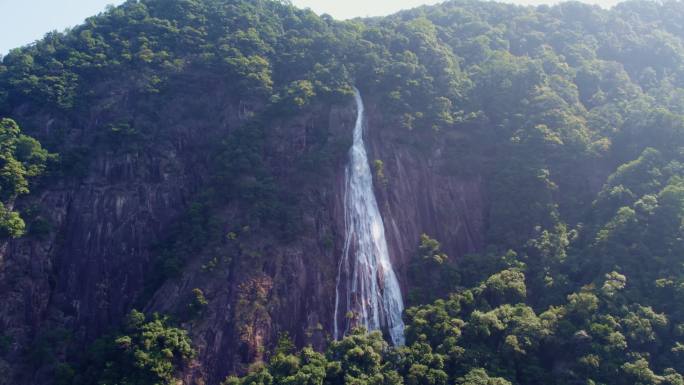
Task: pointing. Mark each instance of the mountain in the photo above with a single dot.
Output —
(173, 195)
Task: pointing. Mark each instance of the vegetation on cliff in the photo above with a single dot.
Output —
(489, 334)
(21, 159)
(148, 351)
(572, 115)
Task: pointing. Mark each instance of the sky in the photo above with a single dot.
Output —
(25, 21)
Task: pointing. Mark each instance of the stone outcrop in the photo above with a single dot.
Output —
(96, 262)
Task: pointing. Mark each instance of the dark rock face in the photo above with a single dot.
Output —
(86, 275)
(94, 266)
(419, 197)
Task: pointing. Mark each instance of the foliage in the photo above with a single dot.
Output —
(489, 335)
(197, 303)
(571, 118)
(148, 351)
(21, 159)
(430, 273)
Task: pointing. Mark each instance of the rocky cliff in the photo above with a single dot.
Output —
(95, 264)
(202, 146)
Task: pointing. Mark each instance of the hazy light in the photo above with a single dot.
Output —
(360, 8)
(354, 8)
(25, 21)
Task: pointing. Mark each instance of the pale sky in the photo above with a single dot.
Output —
(25, 21)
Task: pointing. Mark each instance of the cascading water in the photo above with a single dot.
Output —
(372, 297)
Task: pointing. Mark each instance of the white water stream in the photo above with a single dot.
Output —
(367, 292)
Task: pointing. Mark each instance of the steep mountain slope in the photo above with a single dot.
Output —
(201, 150)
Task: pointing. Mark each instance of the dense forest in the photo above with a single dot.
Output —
(572, 116)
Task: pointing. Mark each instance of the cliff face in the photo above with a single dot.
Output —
(96, 263)
(418, 196)
(76, 282)
(202, 152)
(251, 303)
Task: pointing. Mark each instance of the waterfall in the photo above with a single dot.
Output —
(371, 292)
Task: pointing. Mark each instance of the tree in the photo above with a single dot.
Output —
(149, 352)
(22, 158)
(480, 377)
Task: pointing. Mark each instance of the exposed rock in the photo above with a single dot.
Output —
(93, 266)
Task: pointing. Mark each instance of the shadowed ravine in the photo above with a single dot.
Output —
(367, 289)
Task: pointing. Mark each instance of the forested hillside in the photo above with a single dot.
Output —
(170, 194)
